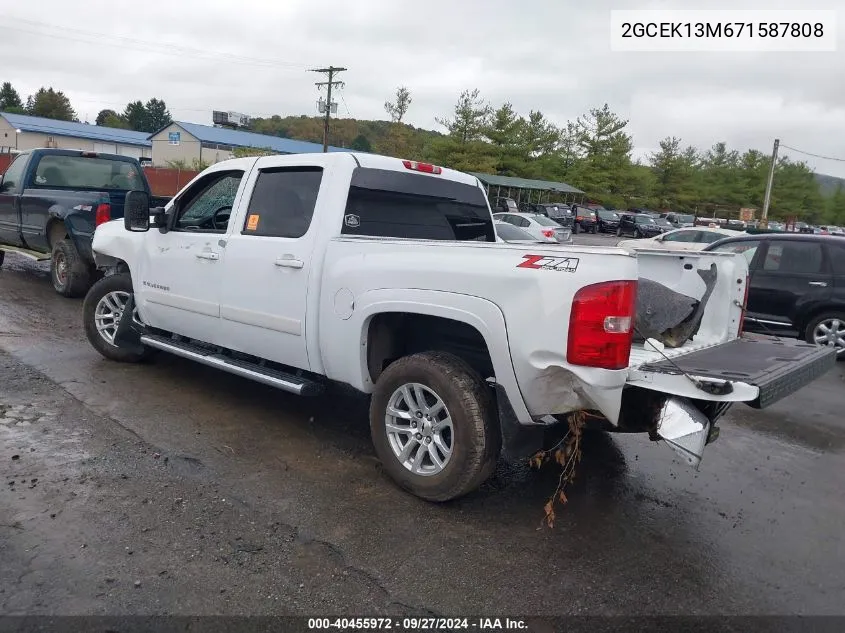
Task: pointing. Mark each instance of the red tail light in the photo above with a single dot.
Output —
(103, 213)
(601, 325)
(423, 167)
(548, 232)
(744, 306)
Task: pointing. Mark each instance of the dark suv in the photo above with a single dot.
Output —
(797, 285)
(608, 221)
(638, 225)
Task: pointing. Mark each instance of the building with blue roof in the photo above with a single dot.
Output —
(191, 144)
(181, 143)
(23, 132)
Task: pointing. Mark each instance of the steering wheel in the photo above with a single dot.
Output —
(224, 220)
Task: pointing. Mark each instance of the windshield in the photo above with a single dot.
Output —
(663, 222)
(82, 172)
(686, 219)
(608, 215)
(642, 219)
(542, 220)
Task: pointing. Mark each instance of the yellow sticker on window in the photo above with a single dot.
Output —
(252, 222)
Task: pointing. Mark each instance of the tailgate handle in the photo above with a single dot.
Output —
(819, 284)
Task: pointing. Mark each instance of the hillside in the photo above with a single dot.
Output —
(369, 136)
(828, 185)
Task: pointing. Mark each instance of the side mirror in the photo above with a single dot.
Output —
(136, 211)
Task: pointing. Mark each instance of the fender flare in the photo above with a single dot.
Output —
(483, 315)
(78, 228)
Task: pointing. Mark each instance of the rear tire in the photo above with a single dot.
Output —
(103, 307)
(619, 232)
(2, 257)
(594, 230)
(830, 325)
(467, 447)
(576, 228)
(71, 276)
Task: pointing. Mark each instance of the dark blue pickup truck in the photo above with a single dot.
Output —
(51, 200)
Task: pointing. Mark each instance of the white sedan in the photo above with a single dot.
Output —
(688, 239)
(541, 228)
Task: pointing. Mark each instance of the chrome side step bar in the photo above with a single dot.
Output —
(265, 375)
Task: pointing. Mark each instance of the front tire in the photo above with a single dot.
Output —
(433, 426)
(576, 228)
(828, 329)
(71, 276)
(101, 312)
(619, 232)
(2, 257)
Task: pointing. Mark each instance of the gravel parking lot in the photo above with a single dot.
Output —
(170, 488)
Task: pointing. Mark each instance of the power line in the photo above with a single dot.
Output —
(93, 37)
(331, 71)
(839, 160)
(345, 106)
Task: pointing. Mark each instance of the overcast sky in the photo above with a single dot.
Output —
(252, 56)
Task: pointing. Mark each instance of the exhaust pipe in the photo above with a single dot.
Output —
(684, 428)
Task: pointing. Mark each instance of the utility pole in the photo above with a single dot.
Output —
(331, 71)
(764, 218)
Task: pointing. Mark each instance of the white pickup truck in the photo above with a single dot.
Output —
(387, 275)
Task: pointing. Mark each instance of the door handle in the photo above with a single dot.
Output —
(819, 284)
(289, 262)
(208, 255)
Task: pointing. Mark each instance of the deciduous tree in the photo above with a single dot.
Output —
(399, 107)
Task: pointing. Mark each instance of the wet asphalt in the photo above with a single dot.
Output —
(170, 488)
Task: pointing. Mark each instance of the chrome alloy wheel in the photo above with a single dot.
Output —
(419, 429)
(108, 313)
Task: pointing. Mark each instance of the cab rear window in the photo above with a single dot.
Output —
(385, 203)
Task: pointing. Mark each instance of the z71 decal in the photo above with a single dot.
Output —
(544, 262)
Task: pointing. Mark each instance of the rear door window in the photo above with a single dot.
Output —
(793, 257)
(681, 236)
(386, 203)
(837, 258)
(708, 237)
(283, 201)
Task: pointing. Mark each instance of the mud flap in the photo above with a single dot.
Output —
(128, 334)
(685, 429)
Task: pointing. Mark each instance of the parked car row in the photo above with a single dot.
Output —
(692, 239)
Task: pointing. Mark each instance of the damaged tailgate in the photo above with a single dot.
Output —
(777, 367)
